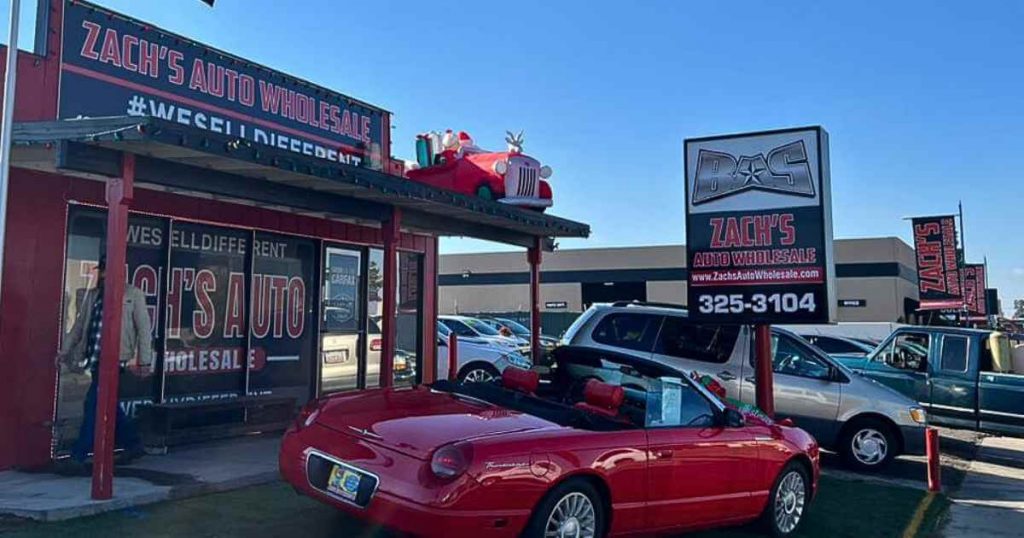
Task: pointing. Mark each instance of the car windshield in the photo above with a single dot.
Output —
(481, 327)
(597, 390)
(443, 329)
(517, 328)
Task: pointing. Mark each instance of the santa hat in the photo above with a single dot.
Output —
(465, 140)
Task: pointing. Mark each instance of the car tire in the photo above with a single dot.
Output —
(575, 502)
(478, 372)
(868, 444)
(485, 192)
(788, 501)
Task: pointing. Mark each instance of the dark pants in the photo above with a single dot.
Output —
(125, 434)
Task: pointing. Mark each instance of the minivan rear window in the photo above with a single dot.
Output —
(628, 330)
(706, 343)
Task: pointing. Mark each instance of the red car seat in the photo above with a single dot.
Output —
(602, 399)
(520, 379)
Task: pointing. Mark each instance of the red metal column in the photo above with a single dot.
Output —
(391, 232)
(763, 375)
(119, 197)
(453, 356)
(534, 257)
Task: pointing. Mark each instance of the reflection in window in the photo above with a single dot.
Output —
(408, 337)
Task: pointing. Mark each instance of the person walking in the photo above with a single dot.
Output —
(81, 351)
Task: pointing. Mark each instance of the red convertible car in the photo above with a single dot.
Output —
(610, 446)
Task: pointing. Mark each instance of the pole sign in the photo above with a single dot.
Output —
(759, 227)
(938, 267)
(112, 65)
(974, 290)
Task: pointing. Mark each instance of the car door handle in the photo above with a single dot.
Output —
(726, 375)
(662, 454)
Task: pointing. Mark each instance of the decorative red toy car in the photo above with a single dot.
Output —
(611, 446)
(455, 163)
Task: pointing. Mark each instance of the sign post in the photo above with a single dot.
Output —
(759, 235)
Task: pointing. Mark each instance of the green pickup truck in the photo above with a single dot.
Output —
(965, 378)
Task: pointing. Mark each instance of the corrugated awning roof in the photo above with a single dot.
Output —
(186, 158)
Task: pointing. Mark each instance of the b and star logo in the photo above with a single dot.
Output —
(784, 169)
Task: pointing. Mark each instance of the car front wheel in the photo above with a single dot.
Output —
(478, 373)
(788, 501)
(571, 510)
(868, 445)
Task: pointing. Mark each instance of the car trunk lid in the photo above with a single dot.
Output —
(417, 421)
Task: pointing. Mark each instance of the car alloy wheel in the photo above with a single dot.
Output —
(572, 517)
(790, 500)
(869, 446)
(478, 375)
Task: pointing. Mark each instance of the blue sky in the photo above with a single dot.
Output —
(924, 101)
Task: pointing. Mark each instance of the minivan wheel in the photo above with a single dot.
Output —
(478, 373)
(868, 445)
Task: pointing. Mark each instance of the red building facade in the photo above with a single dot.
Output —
(266, 270)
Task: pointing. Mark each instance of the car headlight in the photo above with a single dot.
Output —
(518, 361)
(918, 415)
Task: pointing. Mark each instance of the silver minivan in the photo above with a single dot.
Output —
(866, 422)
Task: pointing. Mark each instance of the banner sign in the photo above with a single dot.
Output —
(206, 316)
(114, 66)
(282, 321)
(938, 270)
(974, 290)
(759, 228)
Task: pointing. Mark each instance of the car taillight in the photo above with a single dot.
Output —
(450, 461)
(376, 344)
(308, 414)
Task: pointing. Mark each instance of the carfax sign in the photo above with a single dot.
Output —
(114, 66)
(759, 227)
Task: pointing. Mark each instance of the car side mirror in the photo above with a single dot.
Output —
(734, 419)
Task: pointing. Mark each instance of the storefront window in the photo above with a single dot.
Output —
(231, 310)
(146, 265)
(340, 323)
(408, 329)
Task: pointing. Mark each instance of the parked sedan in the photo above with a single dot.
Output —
(519, 330)
(579, 457)
(467, 327)
(477, 360)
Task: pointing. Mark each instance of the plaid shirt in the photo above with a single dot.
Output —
(92, 345)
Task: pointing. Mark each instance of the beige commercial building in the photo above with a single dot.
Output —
(876, 279)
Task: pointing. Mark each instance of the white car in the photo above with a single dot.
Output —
(476, 330)
(478, 360)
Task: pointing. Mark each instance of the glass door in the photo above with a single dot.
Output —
(342, 322)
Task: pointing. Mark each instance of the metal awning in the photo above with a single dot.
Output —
(186, 159)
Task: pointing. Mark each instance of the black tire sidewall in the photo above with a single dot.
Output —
(846, 444)
(539, 518)
(768, 517)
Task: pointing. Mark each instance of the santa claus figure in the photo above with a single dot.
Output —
(466, 144)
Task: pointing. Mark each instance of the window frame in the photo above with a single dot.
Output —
(650, 335)
(658, 349)
(966, 357)
(809, 349)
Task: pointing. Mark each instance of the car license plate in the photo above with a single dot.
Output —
(344, 482)
(336, 357)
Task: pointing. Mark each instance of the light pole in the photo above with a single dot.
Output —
(5, 128)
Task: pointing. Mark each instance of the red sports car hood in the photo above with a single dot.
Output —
(417, 421)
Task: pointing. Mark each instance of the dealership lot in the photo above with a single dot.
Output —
(274, 510)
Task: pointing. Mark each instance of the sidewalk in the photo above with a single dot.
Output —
(188, 471)
(990, 502)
